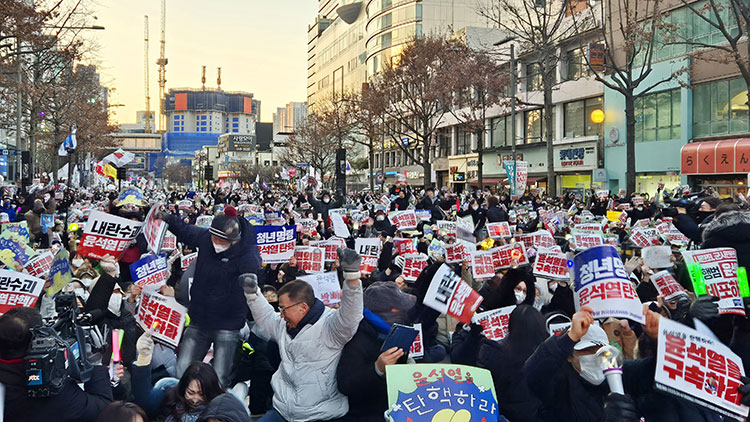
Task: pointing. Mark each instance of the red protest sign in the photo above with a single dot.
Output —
(310, 259)
(369, 250)
(449, 294)
(18, 290)
(404, 246)
(106, 234)
(498, 230)
(404, 220)
(495, 322)
(699, 368)
(455, 253)
(414, 264)
(186, 260)
(164, 311)
(552, 265)
(169, 243)
(505, 256)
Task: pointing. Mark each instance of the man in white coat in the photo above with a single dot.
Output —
(310, 338)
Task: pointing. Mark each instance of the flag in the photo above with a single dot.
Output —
(100, 168)
(110, 171)
(70, 143)
(119, 158)
(348, 166)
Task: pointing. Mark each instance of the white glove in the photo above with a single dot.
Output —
(249, 282)
(145, 348)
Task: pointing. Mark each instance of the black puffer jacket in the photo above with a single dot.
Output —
(730, 230)
(225, 408)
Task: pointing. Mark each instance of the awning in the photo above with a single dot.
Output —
(487, 182)
(529, 181)
(727, 156)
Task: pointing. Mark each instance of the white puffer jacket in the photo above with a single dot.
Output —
(305, 386)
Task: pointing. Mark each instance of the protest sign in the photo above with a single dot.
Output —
(359, 216)
(455, 253)
(436, 250)
(17, 289)
(307, 225)
(465, 228)
(602, 283)
(14, 251)
(482, 265)
(614, 215)
(657, 256)
(204, 221)
(369, 250)
(46, 221)
(440, 392)
(517, 172)
(540, 239)
(447, 228)
(21, 229)
(416, 351)
(331, 246)
(186, 260)
(552, 265)
(507, 255)
(155, 229)
(40, 264)
(498, 230)
(637, 200)
(585, 241)
(184, 205)
(645, 237)
(449, 294)
(404, 246)
(166, 312)
(169, 243)
(256, 219)
(325, 286)
(602, 194)
(60, 273)
(106, 234)
(150, 271)
(131, 195)
(495, 322)
(666, 285)
(699, 368)
(339, 226)
(717, 269)
(310, 259)
(424, 215)
(404, 220)
(337, 211)
(275, 243)
(414, 264)
(588, 228)
(675, 237)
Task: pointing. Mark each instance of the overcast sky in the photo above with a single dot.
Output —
(260, 45)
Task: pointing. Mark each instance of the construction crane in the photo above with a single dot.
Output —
(147, 128)
(162, 62)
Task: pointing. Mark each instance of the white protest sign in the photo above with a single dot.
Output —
(331, 246)
(482, 265)
(339, 226)
(498, 230)
(307, 225)
(645, 237)
(40, 264)
(164, 311)
(552, 265)
(18, 289)
(602, 283)
(106, 234)
(204, 221)
(447, 228)
(699, 368)
(717, 269)
(455, 253)
(416, 351)
(666, 285)
(310, 259)
(657, 256)
(404, 220)
(507, 255)
(369, 250)
(449, 294)
(585, 241)
(154, 229)
(494, 322)
(414, 264)
(186, 260)
(325, 286)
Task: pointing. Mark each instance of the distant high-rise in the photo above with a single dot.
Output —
(289, 118)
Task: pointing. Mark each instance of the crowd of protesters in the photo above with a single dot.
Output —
(261, 346)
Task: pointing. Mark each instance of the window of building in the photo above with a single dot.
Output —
(235, 119)
(266, 163)
(501, 131)
(719, 108)
(533, 124)
(577, 67)
(463, 142)
(444, 142)
(533, 77)
(577, 118)
(657, 116)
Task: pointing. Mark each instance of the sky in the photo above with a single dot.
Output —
(260, 45)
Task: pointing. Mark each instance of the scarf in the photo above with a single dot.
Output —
(311, 317)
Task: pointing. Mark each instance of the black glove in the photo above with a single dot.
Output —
(745, 391)
(620, 408)
(350, 263)
(705, 308)
(163, 215)
(683, 306)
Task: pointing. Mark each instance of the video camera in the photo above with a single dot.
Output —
(57, 352)
(691, 202)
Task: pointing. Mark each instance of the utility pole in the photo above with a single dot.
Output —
(147, 128)
(513, 103)
(19, 99)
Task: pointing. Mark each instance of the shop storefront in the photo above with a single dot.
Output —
(649, 182)
(723, 164)
(575, 162)
(462, 169)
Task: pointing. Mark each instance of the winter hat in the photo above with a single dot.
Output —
(594, 337)
(387, 301)
(225, 407)
(38, 205)
(226, 226)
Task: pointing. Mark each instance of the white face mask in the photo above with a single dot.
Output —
(77, 262)
(83, 294)
(520, 296)
(475, 207)
(46, 197)
(220, 248)
(553, 287)
(590, 370)
(380, 217)
(326, 200)
(115, 303)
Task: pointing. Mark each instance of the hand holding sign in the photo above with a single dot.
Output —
(582, 320)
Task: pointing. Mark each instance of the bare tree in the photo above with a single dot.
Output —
(538, 28)
(369, 113)
(414, 86)
(627, 29)
(178, 173)
(309, 144)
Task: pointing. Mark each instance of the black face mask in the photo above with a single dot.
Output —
(702, 215)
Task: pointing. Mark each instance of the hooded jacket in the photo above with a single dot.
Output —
(730, 230)
(217, 301)
(304, 386)
(225, 408)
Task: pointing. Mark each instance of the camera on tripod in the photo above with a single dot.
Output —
(691, 202)
(57, 352)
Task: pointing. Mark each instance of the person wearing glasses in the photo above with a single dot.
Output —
(311, 338)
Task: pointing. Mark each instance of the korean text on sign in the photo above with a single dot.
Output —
(449, 294)
(667, 286)
(584, 241)
(325, 287)
(507, 255)
(369, 250)
(40, 265)
(186, 260)
(602, 283)
(717, 269)
(106, 234)
(331, 246)
(498, 230)
(275, 243)
(404, 220)
(482, 265)
(552, 265)
(495, 322)
(18, 289)
(698, 368)
(150, 271)
(170, 316)
(310, 259)
(414, 264)
(154, 230)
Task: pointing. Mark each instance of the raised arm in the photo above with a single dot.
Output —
(344, 324)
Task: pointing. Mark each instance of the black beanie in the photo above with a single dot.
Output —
(226, 226)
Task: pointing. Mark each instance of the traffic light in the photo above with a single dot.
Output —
(122, 173)
(208, 172)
